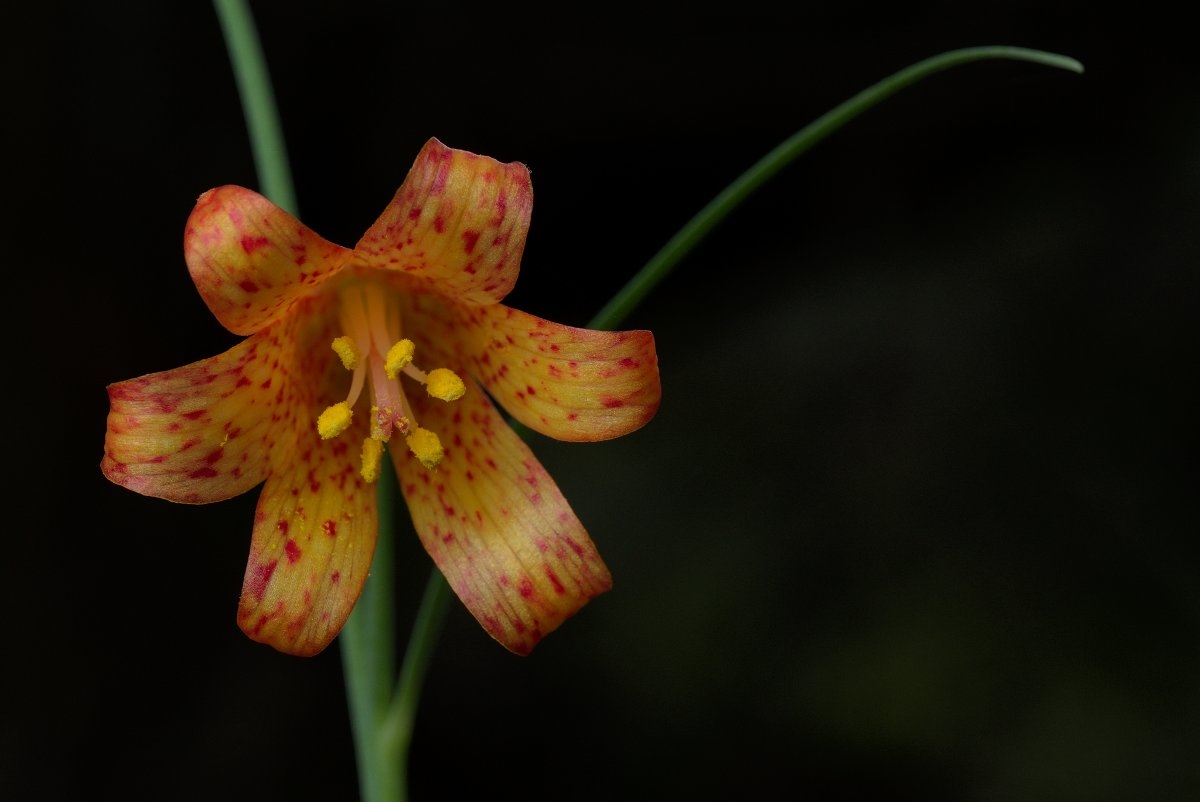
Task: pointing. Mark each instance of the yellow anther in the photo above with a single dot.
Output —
(398, 356)
(425, 446)
(344, 347)
(377, 432)
(444, 383)
(334, 420)
(372, 456)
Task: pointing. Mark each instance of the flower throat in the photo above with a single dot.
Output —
(372, 347)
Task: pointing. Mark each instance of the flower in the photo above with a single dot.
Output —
(338, 345)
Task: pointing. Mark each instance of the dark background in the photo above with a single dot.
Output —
(916, 518)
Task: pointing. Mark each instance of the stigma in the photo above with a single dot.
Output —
(372, 347)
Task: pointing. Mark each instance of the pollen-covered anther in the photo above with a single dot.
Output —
(425, 446)
(372, 457)
(344, 347)
(334, 420)
(445, 384)
(398, 357)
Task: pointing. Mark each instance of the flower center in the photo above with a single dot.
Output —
(373, 347)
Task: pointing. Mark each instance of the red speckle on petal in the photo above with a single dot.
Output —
(336, 576)
(166, 404)
(202, 473)
(525, 587)
(329, 527)
(613, 403)
(469, 239)
(291, 550)
(250, 245)
(558, 586)
(282, 526)
(258, 577)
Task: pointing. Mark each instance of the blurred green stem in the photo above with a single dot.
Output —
(785, 153)
(381, 730)
(382, 715)
(258, 103)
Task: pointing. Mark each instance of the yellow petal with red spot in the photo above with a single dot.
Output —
(432, 268)
(459, 221)
(314, 534)
(250, 259)
(568, 383)
(496, 524)
(198, 433)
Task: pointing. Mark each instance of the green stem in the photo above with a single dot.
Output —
(382, 717)
(368, 647)
(367, 642)
(258, 103)
(612, 314)
(623, 303)
(398, 724)
(696, 229)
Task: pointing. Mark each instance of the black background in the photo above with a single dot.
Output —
(916, 518)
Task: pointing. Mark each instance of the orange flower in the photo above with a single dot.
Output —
(391, 344)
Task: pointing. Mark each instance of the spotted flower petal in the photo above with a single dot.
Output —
(314, 535)
(195, 434)
(497, 526)
(459, 220)
(350, 352)
(568, 383)
(250, 259)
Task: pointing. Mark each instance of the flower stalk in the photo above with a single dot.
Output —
(382, 712)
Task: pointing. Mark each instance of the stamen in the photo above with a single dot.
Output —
(426, 447)
(372, 347)
(445, 384)
(372, 456)
(334, 420)
(382, 317)
(398, 356)
(344, 347)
